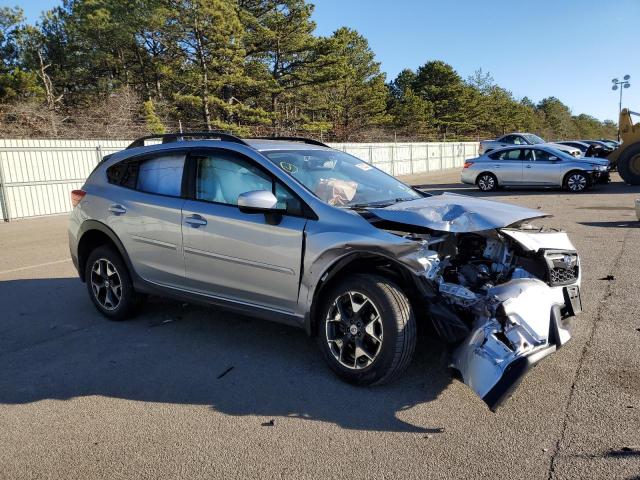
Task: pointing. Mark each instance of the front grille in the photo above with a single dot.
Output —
(563, 267)
(563, 276)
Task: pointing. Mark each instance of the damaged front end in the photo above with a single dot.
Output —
(499, 291)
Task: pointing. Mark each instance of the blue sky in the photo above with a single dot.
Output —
(570, 49)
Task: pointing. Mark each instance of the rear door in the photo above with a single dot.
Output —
(251, 258)
(145, 212)
(507, 166)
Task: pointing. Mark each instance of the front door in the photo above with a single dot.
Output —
(251, 258)
(547, 169)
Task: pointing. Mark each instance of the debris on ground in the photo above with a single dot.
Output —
(608, 277)
(270, 423)
(166, 320)
(225, 372)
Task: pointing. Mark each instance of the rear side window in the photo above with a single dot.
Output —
(160, 175)
(513, 154)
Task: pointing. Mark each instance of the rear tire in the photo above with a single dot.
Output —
(366, 330)
(576, 181)
(487, 182)
(629, 165)
(109, 284)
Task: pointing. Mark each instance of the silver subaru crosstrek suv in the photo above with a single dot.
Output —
(294, 231)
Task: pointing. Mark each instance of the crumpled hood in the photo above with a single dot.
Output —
(455, 213)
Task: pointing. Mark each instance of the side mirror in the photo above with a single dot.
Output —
(258, 201)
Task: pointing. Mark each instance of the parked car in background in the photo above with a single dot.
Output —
(583, 147)
(598, 148)
(294, 231)
(612, 143)
(598, 143)
(589, 148)
(539, 165)
(524, 139)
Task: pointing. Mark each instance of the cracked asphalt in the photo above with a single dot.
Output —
(191, 392)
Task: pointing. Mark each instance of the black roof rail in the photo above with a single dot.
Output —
(176, 137)
(310, 141)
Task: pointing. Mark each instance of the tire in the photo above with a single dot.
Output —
(386, 342)
(576, 181)
(487, 182)
(629, 164)
(107, 277)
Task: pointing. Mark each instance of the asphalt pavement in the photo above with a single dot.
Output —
(184, 391)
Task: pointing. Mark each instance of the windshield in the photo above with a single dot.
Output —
(533, 139)
(340, 179)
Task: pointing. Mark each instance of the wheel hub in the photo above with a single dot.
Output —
(353, 329)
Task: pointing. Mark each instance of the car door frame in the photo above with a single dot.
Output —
(307, 213)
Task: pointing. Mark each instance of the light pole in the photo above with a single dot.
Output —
(620, 84)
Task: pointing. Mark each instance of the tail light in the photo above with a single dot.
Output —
(76, 196)
(467, 164)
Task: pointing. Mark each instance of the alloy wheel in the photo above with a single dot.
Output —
(354, 330)
(486, 182)
(106, 284)
(577, 182)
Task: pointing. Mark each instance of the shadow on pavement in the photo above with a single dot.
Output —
(54, 345)
(633, 223)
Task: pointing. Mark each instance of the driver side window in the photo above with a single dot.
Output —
(222, 176)
(543, 155)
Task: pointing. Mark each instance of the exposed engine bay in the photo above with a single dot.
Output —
(500, 298)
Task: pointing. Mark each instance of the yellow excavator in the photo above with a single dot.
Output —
(627, 156)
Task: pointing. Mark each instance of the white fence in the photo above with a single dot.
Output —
(36, 176)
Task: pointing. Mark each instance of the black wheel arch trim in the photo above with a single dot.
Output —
(339, 266)
(93, 225)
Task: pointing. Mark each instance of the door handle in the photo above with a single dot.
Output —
(497, 166)
(117, 209)
(529, 166)
(195, 221)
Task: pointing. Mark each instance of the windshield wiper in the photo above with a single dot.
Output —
(381, 204)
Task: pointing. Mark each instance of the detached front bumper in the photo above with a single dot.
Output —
(531, 322)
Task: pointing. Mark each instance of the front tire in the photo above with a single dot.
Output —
(576, 182)
(487, 182)
(109, 284)
(367, 330)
